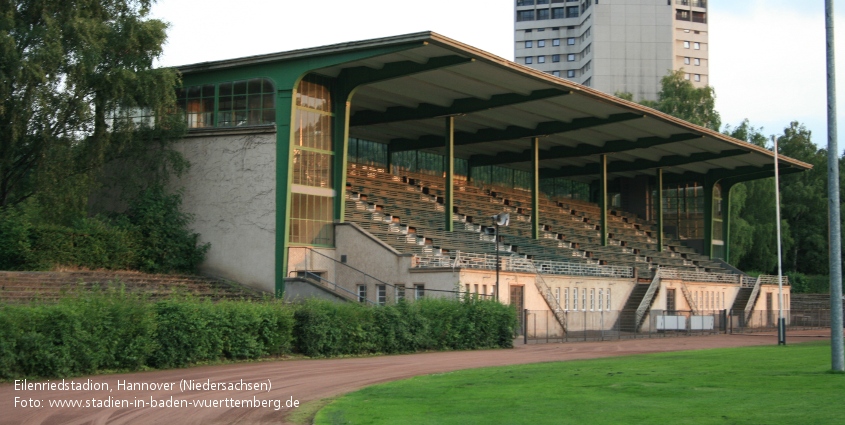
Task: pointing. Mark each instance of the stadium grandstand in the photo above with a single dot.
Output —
(416, 166)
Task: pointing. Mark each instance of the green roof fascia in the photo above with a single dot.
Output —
(640, 164)
(561, 152)
(730, 181)
(286, 73)
(744, 173)
(351, 78)
(510, 133)
(458, 106)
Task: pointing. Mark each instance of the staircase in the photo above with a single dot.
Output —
(326, 285)
(741, 300)
(688, 297)
(24, 287)
(627, 321)
(546, 292)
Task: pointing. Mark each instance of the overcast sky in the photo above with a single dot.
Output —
(767, 57)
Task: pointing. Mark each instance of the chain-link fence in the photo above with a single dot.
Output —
(767, 320)
(543, 326)
(539, 326)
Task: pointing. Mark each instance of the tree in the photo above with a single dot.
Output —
(803, 208)
(804, 202)
(679, 98)
(753, 242)
(72, 72)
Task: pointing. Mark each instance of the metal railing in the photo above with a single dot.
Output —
(347, 278)
(688, 296)
(339, 290)
(645, 304)
(552, 301)
(772, 279)
(690, 276)
(748, 281)
(694, 3)
(520, 264)
(749, 306)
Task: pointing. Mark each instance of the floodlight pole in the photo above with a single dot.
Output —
(836, 339)
(781, 321)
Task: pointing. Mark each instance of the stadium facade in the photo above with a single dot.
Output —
(372, 170)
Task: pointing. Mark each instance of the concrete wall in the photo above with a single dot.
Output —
(721, 294)
(231, 191)
(365, 252)
(619, 289)
(761, 304)
(297, 290)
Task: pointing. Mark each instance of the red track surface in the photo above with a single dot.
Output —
(309, 380)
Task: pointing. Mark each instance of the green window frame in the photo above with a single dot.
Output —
(246, 103)
(312, 192)
(240, 103)
(197, 105)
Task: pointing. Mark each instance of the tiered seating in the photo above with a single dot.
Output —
(407, 213)
(50, 286)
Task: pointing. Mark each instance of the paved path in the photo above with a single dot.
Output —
(309, 380)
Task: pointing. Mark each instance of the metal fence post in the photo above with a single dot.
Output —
(547, 326)
(525, 326)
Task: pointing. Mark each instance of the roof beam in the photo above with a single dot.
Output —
(761, 175)
(511, 132)
(640, 164)
(458, 106)
(354, 77)
(744, 173)
(560, 152)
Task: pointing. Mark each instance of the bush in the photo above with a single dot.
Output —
(324, 329)
(119, 332)
(114, 331)
(165, 243)
(152, 236)
(809, 284)
(76, 336)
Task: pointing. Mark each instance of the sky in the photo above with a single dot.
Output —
(767, 57)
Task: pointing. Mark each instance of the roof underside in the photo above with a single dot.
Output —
(500, 106)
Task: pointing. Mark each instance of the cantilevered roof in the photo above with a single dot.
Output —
(400, 99)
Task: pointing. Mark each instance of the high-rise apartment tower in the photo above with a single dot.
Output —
(614, 45)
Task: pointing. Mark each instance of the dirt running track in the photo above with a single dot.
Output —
(309, 380)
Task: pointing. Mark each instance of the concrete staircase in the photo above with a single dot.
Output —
(19, 287)
(741, 299)
(627, 321)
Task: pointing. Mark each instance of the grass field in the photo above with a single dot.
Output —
(755, 385)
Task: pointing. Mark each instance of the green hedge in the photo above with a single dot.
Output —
(120, 332)
(325, 329)
(123, 332)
